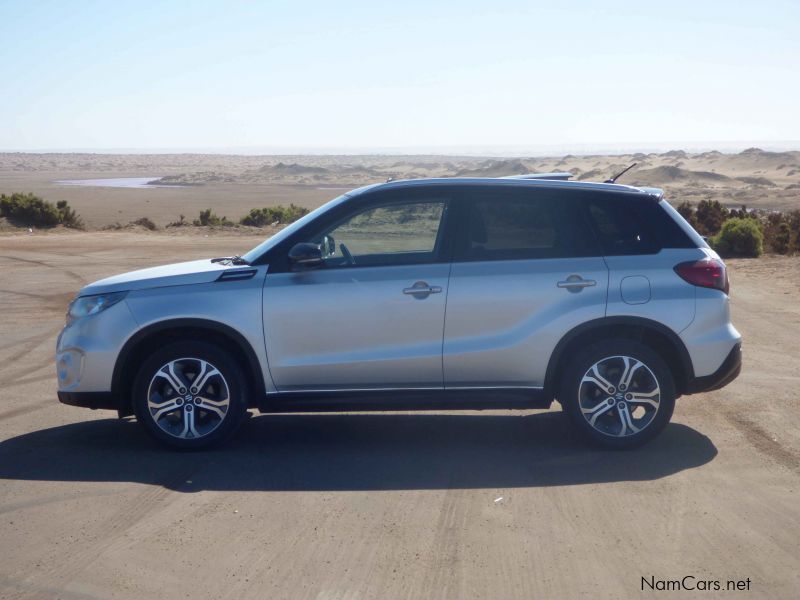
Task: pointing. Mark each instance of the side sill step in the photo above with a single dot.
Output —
(405, 400)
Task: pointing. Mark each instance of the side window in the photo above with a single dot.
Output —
(621, 228)
(389, 234)
(503, 225)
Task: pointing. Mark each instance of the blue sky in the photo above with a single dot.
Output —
(414, 75)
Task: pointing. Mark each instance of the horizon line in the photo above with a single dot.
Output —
(507, 150)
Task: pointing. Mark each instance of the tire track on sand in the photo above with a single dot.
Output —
(40, 263)
(443, 579)
(763, 441)
(27, 346)
(141, 506)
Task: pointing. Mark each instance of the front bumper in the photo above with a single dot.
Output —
(727, 372)
(93, 400)
(87, 349)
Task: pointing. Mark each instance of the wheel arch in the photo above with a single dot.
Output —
(157, 334)
(657, 336)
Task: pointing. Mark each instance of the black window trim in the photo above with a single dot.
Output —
(457, 197)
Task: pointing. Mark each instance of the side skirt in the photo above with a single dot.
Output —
(402, 400)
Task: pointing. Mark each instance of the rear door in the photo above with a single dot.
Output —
(526, 270)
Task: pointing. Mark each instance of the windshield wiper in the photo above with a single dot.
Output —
(234, 260)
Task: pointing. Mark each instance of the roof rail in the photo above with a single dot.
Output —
(550, 176)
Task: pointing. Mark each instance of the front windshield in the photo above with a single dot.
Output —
(290, 229)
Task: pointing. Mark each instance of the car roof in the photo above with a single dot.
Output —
(511, 182)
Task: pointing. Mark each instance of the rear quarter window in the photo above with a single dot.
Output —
(633, 226)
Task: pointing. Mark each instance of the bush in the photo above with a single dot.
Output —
(143, 222)
(28, 210)
(777, 234)
(710, 216)
(181, 222)
(739, 237)
(208, 218)
(742, 213)
(68, 217)
(793, 219)
(781, 240)
(146, 223)
(260, 217)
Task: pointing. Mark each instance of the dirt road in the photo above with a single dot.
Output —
(493, 505)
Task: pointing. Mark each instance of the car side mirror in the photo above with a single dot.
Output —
(305, 256)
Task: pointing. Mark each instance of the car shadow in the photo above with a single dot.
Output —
(353, 452)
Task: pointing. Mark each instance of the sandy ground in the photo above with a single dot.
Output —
(102, 206)
(449, 505)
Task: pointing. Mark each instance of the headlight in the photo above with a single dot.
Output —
(84, 306)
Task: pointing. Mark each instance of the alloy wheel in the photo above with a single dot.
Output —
(188, 398)
(619, 396)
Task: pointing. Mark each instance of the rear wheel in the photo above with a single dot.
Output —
(190, 395)
(619, 393)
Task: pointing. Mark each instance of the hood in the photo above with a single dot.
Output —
(185, 273)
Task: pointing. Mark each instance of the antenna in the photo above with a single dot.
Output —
(620, 174)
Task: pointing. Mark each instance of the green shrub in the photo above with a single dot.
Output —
(739, 237)
(260, 217)
(208, 218)
(28, 210)
(68, 217)
(779, 231)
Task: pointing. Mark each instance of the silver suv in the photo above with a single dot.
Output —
(424, 294)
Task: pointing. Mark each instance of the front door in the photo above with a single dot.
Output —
(372, 317)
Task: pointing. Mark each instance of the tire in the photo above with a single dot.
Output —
(614, 407)
(185, 417)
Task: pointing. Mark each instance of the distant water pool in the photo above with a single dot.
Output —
(115, 182)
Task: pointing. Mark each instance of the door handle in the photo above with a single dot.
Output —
(576, 283)
(422, 290)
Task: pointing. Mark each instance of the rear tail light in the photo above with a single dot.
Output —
(708, 273)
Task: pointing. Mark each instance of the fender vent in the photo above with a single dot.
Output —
(237, 275)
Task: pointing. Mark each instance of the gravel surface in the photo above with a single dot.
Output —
(493, 504)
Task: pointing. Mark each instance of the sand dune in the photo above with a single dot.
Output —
(232, 185)
(671, 174)
(495, 168)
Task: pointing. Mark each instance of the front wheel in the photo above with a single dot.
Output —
(619, 393)
(190, 395)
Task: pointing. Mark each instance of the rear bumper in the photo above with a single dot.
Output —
(728, 371)
(93, 400)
